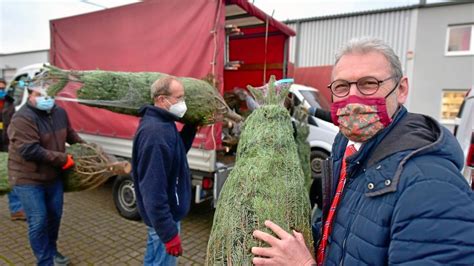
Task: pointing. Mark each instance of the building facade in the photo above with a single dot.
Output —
(9, 63)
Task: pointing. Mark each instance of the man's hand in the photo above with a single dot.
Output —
(287, 249)
(69, 162)
(173, 247)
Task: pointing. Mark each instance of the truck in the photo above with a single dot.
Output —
(230, 40)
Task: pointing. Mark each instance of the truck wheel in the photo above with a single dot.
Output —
(124, 198)
(316, 159)
(315, 192)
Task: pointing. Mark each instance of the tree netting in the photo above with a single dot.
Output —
(92, 168)
(126, 92)
(267, 183)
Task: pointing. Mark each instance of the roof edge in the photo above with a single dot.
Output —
(374, 11)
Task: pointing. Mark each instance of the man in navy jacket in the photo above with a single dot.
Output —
(400, 199)
(160, 170)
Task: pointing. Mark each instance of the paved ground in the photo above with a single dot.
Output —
(92, 233)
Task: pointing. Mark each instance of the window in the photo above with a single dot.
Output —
(452, 100)
(460, 40)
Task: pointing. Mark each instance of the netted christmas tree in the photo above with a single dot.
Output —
(267, 183)
(92, 168)
(126, 92)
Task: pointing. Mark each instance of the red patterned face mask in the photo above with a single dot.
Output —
(359, 119)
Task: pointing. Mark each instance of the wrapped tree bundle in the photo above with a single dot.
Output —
(267, 183)
(4, 186)
(126, 92)
(92, 167)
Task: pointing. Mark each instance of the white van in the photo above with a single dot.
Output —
(321, 134)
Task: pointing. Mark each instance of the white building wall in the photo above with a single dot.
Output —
(433, 69)
(317, 40)
(9, 63)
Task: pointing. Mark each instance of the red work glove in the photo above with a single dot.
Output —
(69, 163)
(173, 247)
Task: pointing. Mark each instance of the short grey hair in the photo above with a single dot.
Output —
(162, 86)
(366, 45)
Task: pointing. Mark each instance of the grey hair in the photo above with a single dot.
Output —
(366, 45)
(162, 86)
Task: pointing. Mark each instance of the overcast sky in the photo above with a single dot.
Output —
(24, 24)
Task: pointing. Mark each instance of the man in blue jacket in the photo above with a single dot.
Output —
(160, 170)
(392, 191)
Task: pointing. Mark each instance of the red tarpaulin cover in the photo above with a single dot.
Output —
(174, 37)
(250, 49)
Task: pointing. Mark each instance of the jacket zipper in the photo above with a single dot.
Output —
(50, 118)
(176, 191)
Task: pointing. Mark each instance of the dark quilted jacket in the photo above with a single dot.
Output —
(405, 201)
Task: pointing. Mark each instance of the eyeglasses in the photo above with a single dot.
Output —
(366, 85)
(179, 99)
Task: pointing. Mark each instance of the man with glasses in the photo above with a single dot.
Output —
(393, 192)
(161, 173)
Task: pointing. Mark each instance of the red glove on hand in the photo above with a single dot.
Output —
(69, 163)
(173, 247)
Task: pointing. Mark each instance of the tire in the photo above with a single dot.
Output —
(316, 159)
(124, 198)
(315, 192)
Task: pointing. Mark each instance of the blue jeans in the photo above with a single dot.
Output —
(155, 253)
(14, 203)
(43, 205)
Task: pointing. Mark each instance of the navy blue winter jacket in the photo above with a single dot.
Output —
(405, 201)
(160, 170)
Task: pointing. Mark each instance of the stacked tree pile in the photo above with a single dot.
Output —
(4, 186)
(126, 92)
(267, 183)
(92, 168)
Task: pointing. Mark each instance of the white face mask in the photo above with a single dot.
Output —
(178, 109)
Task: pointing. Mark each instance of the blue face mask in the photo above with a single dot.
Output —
(44, 103)
(2, 94)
